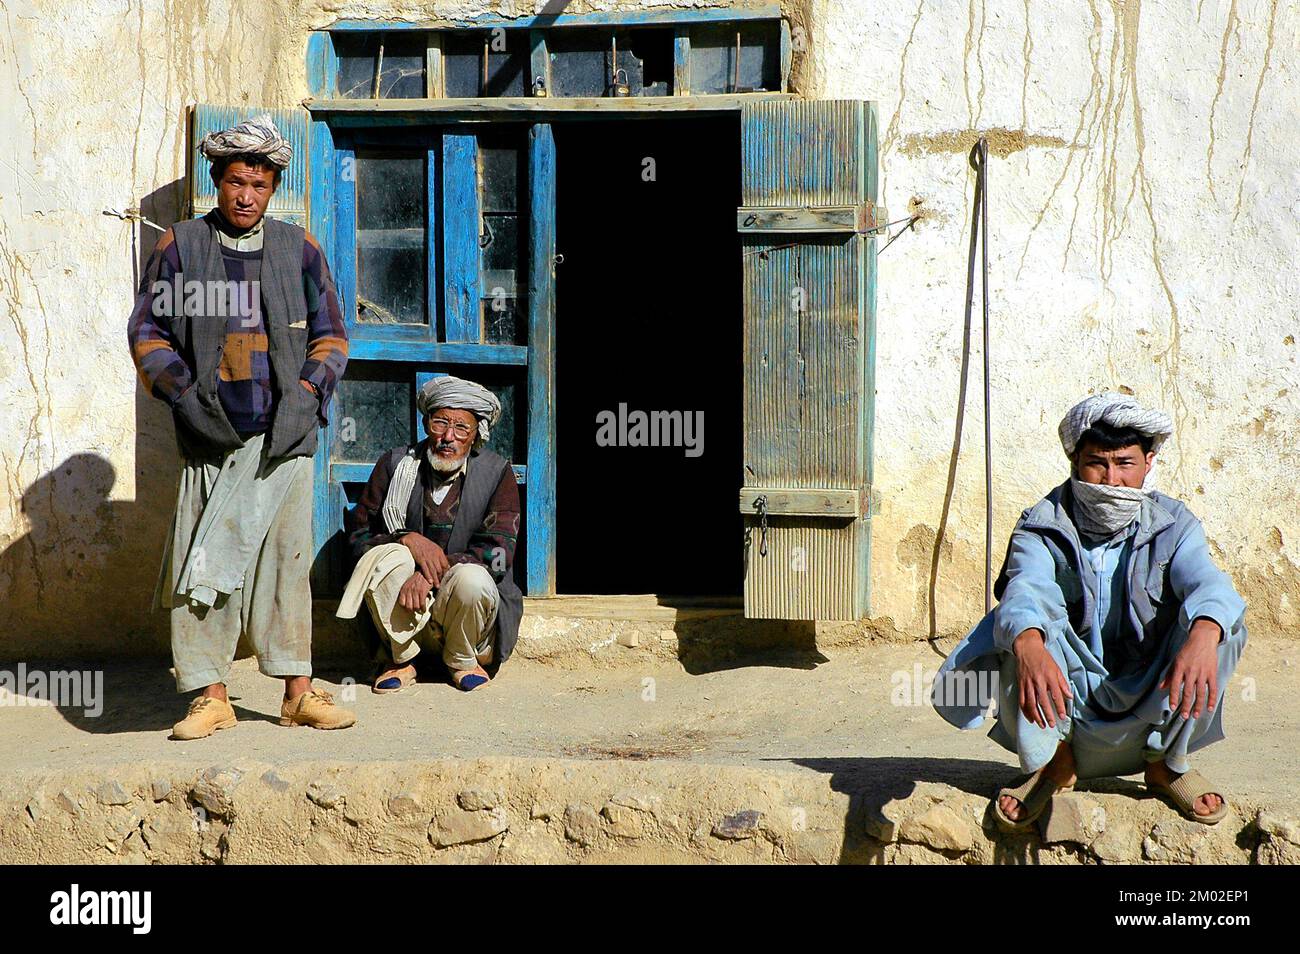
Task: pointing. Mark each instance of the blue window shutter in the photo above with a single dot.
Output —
(808, 171)
(289, 204)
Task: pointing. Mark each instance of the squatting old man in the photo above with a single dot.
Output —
(237, 328)
(1115, 634)
(434, 537)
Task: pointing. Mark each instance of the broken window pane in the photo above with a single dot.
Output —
(501, 251)
(402, 73)
(391, 239)
(714, 61)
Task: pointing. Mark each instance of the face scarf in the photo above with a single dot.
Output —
(1102, 511)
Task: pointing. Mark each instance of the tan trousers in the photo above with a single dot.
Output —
(461, 611)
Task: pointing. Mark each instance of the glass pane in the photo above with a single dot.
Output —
(579, 62)
(356, 54)
(713, 58)
(500, 171)
(507, 63)
(501, 254)
(462, 64)
(372, 413)
(505, 321)
(403, 67)
(391, 273)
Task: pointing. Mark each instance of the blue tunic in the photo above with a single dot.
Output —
(1113, 613)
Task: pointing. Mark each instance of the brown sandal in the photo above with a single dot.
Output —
(1186, 789)
(1034, 795)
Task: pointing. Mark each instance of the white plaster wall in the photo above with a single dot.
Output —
(1144, 236)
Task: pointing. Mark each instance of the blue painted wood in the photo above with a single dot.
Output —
(327, 518)
(460, 237)
(345, 233)
(604, 18)
(871, 187)
(540, 515)
(322, 66)
(398, 349)
(433, 262)
(785, 55)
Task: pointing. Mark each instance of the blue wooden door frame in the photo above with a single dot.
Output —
(451, 151)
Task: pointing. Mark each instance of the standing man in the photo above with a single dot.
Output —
(237, 328)
(1115, 634)
(434, 537)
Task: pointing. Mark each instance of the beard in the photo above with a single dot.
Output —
(445, 465)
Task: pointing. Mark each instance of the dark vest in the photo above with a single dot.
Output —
(481, 481)
(202, 428)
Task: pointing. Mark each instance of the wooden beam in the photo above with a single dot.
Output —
(460, 231)
(839, 218)
(617, 18)
(366, 345)
(414, 112)
(807, 501)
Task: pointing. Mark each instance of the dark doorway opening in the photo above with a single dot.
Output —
(648, 319)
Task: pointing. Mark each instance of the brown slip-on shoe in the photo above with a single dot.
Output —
(315, 708)
(205, 716)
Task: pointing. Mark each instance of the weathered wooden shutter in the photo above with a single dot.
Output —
(289, 204)
(808, 173)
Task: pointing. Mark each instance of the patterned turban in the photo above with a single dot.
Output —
(253, 137)
(1117, 410)
(462, 395)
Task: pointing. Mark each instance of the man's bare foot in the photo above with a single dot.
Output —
(1059, 773)
(1158, 773)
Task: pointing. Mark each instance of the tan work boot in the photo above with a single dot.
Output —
(205, 716)
(315, 708)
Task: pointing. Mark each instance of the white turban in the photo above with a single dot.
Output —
(253, 137)
(1117, 410)
(459, 394)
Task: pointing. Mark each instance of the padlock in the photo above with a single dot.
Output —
(539, 87)
(621, 89)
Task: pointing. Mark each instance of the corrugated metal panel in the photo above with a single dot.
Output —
(290, 200)
(807, 573)
(808, 352)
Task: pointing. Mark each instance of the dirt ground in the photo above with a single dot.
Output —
(828, 712)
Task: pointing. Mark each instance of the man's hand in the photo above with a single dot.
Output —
(1041, 681)
(429, 557)
(414, 592)
(1193, 677)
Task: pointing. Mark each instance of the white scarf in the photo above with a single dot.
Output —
(1102, 510)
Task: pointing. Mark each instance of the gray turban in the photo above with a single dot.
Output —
(253, 137)
(459, 394)
(1117, 410)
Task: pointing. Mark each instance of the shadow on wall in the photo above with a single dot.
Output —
(81, 579)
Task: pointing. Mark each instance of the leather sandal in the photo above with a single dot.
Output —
(1034, 795)
(1186, 789)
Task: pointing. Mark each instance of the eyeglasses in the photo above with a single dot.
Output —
(439, 426)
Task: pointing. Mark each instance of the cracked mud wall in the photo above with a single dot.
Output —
(1144, 235)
